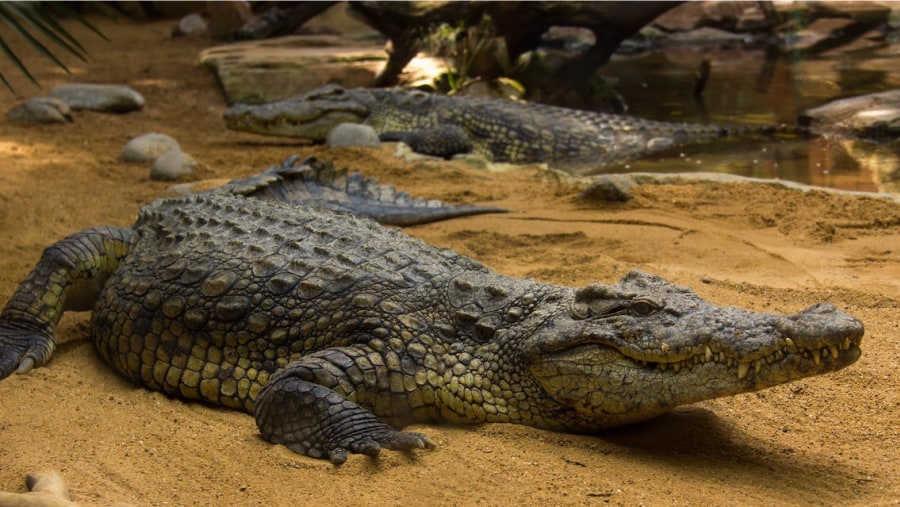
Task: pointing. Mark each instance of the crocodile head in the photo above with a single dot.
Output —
(309, 116)
(621, 353)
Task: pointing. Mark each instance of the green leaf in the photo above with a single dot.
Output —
(28, 18)
(18, 63)
(64, 9)
(42, 27)
(13, 22)
(42, 18)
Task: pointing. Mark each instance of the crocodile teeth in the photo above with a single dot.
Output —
(790, 345)
(834, 351)
(709, 354)
(846, 344)
(817, 356)
(743, 369)
(757, 365)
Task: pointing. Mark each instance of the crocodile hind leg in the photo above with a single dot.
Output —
(68, 276)
(307, 407)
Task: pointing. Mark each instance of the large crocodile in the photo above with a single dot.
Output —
(332, 329)
(501, 130)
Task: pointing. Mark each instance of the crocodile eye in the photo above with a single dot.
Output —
(580, 311)
(643, 307)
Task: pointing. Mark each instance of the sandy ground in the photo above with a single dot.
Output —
(830, 440)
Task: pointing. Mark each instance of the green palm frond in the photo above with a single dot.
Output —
(28, 19)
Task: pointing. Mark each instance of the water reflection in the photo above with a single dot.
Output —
(753, 86)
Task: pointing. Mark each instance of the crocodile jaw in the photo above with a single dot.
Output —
(605, 388)
(311, 116)
(602, 371)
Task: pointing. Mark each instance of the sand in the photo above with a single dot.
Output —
(829, 440)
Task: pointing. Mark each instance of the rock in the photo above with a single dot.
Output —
(893, 19)
(705, 35)
(226, 17)
(172, 165)
(38, 110)
(148, 147)
(352, 134)
(254, 72)
(753, 19)
(609, 188)
(685, 17)
(864, 12)
(192, 25)
(97, 97)
(876, 115)
(693, 15)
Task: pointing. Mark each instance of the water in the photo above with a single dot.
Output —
(746, 87)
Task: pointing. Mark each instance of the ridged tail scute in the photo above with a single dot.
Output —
(69, 276)
(310, 182)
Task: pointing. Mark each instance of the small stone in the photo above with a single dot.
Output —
(352, 134)
(97, 97)
(38, 110)
(172, 165)
(609, 188)
(148, 147)
(191, 25)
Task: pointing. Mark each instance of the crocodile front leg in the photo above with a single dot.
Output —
(308, 406)
(69, 276)
(443, 141)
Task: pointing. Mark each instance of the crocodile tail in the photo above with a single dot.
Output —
(747, 131)
(311, 182)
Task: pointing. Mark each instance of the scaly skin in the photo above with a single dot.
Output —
(330, 329)
(500, 130)
(310, 182)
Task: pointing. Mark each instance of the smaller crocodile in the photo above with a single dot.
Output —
(500, 130)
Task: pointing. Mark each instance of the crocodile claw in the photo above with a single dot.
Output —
(26, 365)
(22, 350)
(372, 446)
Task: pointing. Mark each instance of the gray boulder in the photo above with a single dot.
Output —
(876, 116)
(352, 134)
(172, 165)
(148, 147)
(97, 97)
(37, 110)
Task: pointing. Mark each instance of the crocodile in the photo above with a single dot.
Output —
(335, 332)
(498, 129)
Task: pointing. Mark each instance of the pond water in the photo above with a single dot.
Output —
(753, 86)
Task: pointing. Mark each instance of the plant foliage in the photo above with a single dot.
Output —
(30, 19)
